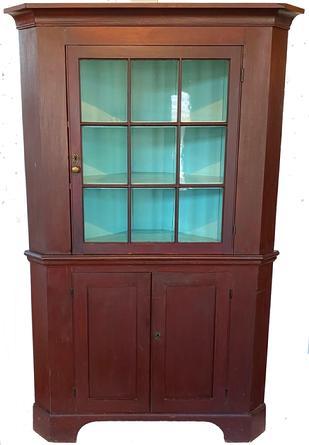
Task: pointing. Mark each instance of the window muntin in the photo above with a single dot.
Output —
(154, 138)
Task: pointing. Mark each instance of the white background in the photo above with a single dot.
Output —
(287, 383)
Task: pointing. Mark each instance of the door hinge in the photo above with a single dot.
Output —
(226, 391)
(242, 74)
(74, 391)
(234, 230)
(68, 124)
(230, 294)
(72, 292)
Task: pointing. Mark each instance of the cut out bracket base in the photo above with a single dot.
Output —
(243, 427)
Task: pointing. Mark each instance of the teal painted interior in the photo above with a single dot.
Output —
(204, 90)
(202, 151)
(154, 90)
(105, 215)
(153, 155)
(200, 215)
(104, 155)
(153, 215)
(103, 85)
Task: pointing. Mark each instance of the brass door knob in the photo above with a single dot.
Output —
(75, 169)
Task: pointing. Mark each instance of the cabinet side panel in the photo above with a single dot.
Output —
(45, 139)
(252, 142)
(241, 338)
(40, 335)
(61, 353)
(261, 335)
(32, 142)
(53, 115)
(274, 130)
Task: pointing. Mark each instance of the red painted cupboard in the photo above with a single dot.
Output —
(152, 143)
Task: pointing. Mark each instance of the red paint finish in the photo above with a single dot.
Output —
(231, 53)
(190, 311)
(112, 342)
(151, 331)
(189, 330)
(112, 332)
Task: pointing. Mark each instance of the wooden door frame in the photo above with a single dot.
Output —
(84, 401)
(234, 55)
(221, 281)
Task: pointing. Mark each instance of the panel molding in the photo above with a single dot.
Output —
(83, 260)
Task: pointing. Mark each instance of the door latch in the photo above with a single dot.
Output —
(75, 163)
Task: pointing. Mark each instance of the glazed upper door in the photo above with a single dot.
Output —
(189, 354)
(153, 146)
(112, 336)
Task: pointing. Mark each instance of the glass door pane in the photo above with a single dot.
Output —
(154, 90)
(204, 90)
(103, 85)
(153, 216)
(153, 169)
(200, 215)
(153, 155)
(202, 151)
(104, 155)
(105, 215)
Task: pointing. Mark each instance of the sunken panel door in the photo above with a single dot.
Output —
(190, 317)
(112, 319)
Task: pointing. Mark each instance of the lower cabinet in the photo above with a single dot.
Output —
(150, 342)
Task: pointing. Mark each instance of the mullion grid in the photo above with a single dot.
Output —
(178, 125)
(178, 141)
(129, 197)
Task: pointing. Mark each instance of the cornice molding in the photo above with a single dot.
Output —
(153, 14)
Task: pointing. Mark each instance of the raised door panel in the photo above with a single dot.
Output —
(190, 317)
(112, 319)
